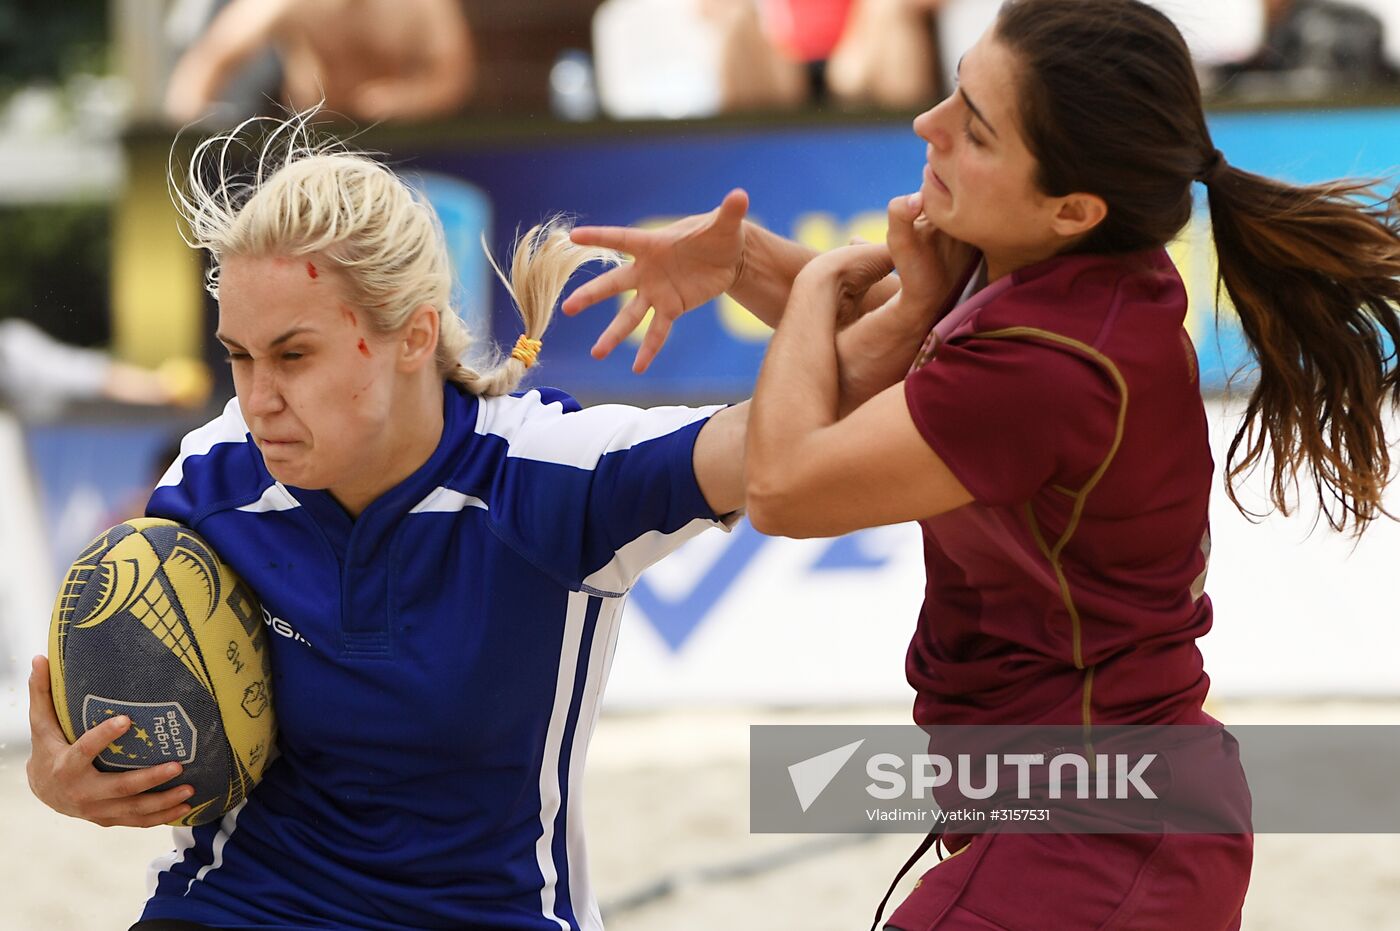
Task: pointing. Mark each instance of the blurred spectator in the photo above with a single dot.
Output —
(252, 86)
(677, 59)
(369, 59)
(692, 58)
(858, 52)
(887, 55)
(1218, 32)
(1313, 48)
(754, 73)
(807, 31)
(902, 54)
(38, 375)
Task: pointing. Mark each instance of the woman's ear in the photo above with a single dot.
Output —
(1078, 214)
(418, 338)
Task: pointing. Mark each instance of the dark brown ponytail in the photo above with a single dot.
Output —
(1314, 273)
(1110, 105)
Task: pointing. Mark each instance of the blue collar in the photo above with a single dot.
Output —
(366, 535)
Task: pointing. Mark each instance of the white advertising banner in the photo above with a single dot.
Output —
(1299, 610)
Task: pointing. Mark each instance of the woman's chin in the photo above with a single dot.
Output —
(938, 210)
(288, 473)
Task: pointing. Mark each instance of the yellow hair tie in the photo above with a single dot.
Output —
(526, 350)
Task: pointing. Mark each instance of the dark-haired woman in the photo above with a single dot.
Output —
(1050, 435)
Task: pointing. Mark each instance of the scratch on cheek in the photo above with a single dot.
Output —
(364, 349)
(311, 270)
(350, 314)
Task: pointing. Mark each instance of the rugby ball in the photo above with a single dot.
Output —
(151, 624)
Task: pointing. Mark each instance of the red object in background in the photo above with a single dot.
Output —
(807, 30)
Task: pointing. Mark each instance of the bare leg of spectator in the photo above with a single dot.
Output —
(754, 75)
(887, 56)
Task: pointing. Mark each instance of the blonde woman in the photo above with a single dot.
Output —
(441, 563)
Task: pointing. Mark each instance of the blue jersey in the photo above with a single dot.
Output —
(437, 665)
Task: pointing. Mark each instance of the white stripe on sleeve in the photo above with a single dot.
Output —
(544, 433)
(627, 564)
(228, 427)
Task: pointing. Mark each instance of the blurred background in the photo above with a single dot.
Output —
(626, 112)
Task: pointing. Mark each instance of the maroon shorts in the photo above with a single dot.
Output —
(1069, 882)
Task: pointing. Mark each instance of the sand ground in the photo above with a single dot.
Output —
(667, 810)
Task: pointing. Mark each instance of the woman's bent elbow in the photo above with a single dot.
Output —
(775, 514)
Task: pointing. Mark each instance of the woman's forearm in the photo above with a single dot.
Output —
(873, 352)
(797, 393)
(771, 264)
(877, 350)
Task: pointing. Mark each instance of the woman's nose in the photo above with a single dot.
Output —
(265, 395)
(931, 127)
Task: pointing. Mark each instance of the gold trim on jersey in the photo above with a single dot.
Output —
(1081, 497)
(1086, 714)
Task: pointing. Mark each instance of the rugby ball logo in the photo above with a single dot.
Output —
(161, 732)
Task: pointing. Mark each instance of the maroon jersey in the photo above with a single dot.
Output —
(1065, 398)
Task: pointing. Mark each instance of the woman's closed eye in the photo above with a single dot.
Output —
(233, 357)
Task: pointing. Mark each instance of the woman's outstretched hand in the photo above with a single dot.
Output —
(675, 269)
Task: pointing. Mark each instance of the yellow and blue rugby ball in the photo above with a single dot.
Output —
(151, 624)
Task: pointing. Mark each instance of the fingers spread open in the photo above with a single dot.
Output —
(609, 284)
(622, 238)
(627, 320)
(651, 343)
